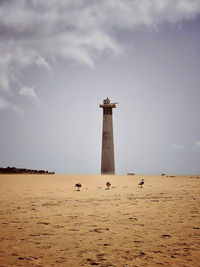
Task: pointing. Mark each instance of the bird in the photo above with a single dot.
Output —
(78, 186)
(141, 183)
(108, 184)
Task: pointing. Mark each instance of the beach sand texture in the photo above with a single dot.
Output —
(45, 222)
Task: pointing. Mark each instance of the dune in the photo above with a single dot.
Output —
(44, 221)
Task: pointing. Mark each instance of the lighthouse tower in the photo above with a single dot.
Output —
(107, 153)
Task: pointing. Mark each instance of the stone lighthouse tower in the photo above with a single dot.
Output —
(107, 153)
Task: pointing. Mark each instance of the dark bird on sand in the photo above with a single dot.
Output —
(141, 183)
(108, 184)
(78, 186)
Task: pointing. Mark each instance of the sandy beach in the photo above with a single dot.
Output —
(45, 222)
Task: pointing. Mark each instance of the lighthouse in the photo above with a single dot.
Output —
(107, 152)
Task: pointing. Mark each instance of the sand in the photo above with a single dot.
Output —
(45, 222)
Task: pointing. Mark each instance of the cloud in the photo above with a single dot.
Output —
(34, 31)
(28, 91)
(41, 62)
(4, 104)
(176, 146)
(198, 143)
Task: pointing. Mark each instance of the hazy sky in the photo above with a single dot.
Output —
(61, 58)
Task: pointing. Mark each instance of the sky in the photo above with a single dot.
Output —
(61, 58)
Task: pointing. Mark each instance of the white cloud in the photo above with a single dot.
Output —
(32, 31)
(41, 62)
(4, 81)
(5, 104)
(28, 91)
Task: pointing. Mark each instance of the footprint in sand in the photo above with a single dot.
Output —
(45, 247)
(142, 254)
(101, 256)
(99, 230)
(14, 254)
(92, 262)
(45, 234)
(21, 258)
(58, 226)
(165, 236)
(45, 223)
(138, 241)
(133, 218)
(157, 251)
(96, 230)
(106, 244)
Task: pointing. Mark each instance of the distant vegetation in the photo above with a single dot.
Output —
(22, 171)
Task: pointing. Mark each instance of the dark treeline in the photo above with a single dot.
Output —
(22, 171)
